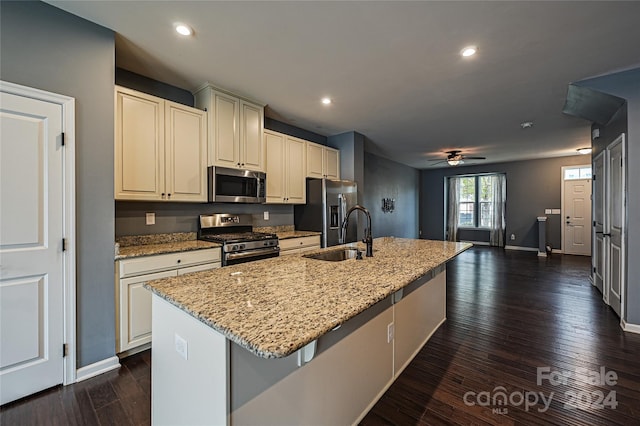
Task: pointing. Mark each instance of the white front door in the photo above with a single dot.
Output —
(31, 231)
(615, 206)
(599, 246)
(577, 216)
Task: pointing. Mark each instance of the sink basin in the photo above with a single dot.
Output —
(334, 255)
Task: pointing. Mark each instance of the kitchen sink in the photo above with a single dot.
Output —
(334, 255)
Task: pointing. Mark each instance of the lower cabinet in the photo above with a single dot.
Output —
(299, 245)
(133, 301)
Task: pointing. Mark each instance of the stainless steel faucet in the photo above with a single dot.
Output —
(368, 240)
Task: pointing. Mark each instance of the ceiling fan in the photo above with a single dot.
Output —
(455, 158)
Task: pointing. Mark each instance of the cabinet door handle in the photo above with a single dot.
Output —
(179, 261)
(162, 194)
(169, 195)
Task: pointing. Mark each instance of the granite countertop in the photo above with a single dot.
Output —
(148, 245)
(273, 307)
(285, 232)
(284, 235)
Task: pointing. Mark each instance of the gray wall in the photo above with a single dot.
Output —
(626, 85)
(388, 179)
(183, 217)
(152, 87)
(532, 187)
(288, 129)
(49, 49)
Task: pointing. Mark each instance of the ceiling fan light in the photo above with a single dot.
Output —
(584, 151)
(454, 162)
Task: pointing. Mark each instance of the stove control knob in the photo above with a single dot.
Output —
(241, 246)
(234, 247)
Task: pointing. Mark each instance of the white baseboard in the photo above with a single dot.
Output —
(97, 368)
(556, 251)
(631, 328)
(521, 248)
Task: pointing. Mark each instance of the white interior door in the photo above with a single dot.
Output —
(599, 249)
(577, 220)
(615, 210)
(31, 231)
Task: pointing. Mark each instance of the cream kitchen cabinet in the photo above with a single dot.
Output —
(160, 149)
(235, 129)
(299, 245)
(285, 158)
(322, 161)
(133, 301)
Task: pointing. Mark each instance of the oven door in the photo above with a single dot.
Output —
(249, 255)
(235, 186)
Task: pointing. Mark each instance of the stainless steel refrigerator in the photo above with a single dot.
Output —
(327, 204)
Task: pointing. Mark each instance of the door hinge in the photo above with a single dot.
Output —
(62, 139)
(594, 177)
(594, 269)
(65, 350)
(64, 244)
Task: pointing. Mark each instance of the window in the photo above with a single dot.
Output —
(475, 205)
(577, 173)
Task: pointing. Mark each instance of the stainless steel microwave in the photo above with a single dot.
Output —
(236, 186)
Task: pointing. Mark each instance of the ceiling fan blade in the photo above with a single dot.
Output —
(438, 162)
(473, 158)
(436, 159)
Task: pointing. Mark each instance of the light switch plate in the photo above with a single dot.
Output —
(547, 211)
(555, 211)
(151, 219)
(265, 215)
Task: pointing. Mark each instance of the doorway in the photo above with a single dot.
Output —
(576, 210)
(37, 239)
(609, 224)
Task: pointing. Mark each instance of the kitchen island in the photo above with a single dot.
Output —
(294, 340)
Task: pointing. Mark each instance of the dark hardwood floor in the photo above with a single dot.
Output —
(508, 314)
(121, 397)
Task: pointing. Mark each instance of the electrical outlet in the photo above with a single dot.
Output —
(390, 332)
(265, 215)
(182, 347)
(151, 219)
(513, 237)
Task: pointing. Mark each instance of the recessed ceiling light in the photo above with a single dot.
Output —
(526, 124)
(183, 29)
(469, 51)
(326, 101)
(584, 150)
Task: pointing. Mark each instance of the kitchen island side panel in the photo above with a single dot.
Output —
(189, 370)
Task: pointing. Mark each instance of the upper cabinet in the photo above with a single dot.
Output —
(160, 149)
(322, 161)
(285, 168)
(235, 129)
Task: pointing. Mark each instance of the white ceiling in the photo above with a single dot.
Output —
(393, 68)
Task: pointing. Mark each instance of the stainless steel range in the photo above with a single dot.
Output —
(239, 243)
